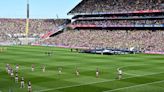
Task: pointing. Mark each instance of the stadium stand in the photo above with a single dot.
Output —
(15, 28)
(37, 26)
(101, 6)
(119, 24)
(142, 40)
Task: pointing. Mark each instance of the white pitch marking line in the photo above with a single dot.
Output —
(130, 74)
(93, 83)
(134, 86)
(133, 65)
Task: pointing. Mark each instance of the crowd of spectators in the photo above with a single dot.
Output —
(159, 16)
(95, 6)
(119, 22)
(3, 37)
(144, 40)
(6, 38)
(36, 26)
(13, 29)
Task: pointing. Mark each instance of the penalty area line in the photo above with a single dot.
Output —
(44, 90)
(135, 86)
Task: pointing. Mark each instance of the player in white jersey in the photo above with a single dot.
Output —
(7, 67)
(97, 72)
(16, 77)
(9, 70)
(17, 67)
(59, 70)
(43, 68)
(77, 72)
(11, 73)
(29, 86)
(22, 83)
(119, 73)
(32, 67)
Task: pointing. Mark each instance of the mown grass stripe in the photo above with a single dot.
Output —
(134, 86)
(94, 83)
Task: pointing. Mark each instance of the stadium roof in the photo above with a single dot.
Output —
(76, 6)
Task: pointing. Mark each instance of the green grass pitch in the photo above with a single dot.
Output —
(142, 73)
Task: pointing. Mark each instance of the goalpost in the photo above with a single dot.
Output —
(27, 22)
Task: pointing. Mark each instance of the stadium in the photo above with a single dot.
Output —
(106, 46)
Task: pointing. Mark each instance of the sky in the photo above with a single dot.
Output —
(38, 8)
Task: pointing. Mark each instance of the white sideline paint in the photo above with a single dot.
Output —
(93, 83)
(134, 86)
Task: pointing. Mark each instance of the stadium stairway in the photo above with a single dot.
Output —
(55, 31)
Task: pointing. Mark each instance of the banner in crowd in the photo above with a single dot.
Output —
(153, 52)
(147, 11)
(61, 46)
(142, 11)
(105, 26)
